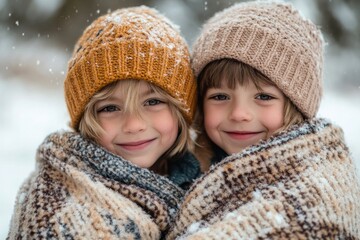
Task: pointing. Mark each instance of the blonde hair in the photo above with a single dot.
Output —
(90, 128)
(233, 72)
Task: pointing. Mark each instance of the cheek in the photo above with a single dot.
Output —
(109, 132)
(105, 125)
(105, 140)
(274, 119)
(212, 118)
(109, 128)
(166, 124)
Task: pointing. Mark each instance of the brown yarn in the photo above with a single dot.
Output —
(273, 38)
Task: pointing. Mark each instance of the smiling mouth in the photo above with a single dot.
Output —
(243, 135)
(136, 145)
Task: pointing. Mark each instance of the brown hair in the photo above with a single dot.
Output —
(273, 38)
(233, 72)
(89, 126)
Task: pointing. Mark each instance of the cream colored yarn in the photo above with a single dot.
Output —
(273, 38)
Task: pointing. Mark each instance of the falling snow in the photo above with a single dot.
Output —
(32, 111)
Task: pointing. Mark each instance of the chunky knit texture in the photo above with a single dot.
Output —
(81, 191)
(131, 43)
(273, 38)
(299, 184)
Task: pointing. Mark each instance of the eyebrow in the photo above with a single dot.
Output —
(149, 91)
(262, 86)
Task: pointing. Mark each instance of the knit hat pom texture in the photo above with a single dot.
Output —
(131, 43)
(272, 37)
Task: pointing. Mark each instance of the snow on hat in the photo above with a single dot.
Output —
(130, 43)
(273, 38)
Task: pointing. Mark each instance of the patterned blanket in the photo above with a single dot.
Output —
(300, 184)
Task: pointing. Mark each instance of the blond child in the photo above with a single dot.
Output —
(122, 172)
(288, 174)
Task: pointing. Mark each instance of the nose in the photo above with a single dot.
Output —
(240, 111)
(133, 124)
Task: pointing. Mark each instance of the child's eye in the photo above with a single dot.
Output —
(152, 102)
(110, 108)
(219, 97)
(264, 97)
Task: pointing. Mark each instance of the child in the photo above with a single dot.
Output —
(129, 89)
(290, 175)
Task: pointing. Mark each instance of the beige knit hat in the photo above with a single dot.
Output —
(130, 43)
(273, 38)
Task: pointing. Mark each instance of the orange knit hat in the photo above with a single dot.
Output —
(131, 43)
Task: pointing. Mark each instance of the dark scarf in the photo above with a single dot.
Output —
(219, 154)
(184, 170)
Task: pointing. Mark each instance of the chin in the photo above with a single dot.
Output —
(144, 165)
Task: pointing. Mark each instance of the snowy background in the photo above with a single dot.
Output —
(36, 40)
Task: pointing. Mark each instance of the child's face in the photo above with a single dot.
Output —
(237, 118)
(140, 138)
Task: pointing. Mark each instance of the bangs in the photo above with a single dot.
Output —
(230, 72)
(130, 89)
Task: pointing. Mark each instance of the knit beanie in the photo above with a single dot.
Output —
(130, 43)
(273, 38)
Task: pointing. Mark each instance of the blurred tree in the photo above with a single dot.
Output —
(340, 20)
(63, 20)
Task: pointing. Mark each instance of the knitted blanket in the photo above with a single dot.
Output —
(81, 191)
(300, 184)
